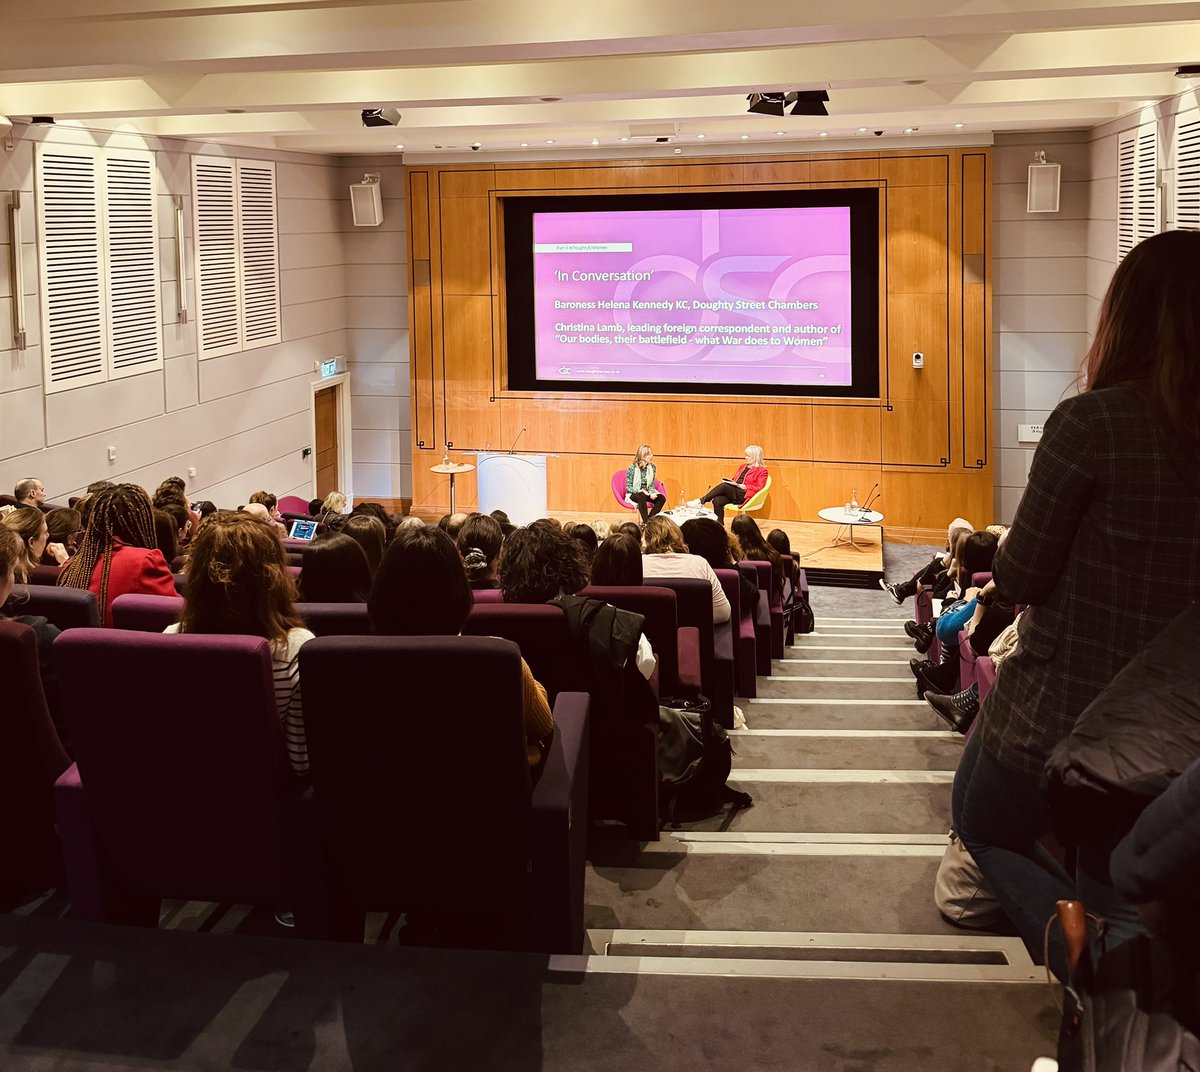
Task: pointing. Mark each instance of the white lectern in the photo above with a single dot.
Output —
(514, 483)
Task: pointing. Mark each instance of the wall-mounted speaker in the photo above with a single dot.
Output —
(1044, 183)
(366, 202)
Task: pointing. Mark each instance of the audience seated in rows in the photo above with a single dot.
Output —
(665, 554)
(479, 543)
(757, 549)
(335, 570)
(369, 533)
(238, 583)
(29, 524)
(586, 535)
(618, 562)
(421, 589)
(721, 549)
(270, 503)
(935, 573)
(65, 526)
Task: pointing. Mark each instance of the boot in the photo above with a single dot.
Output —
(922, 635)
(917, 665)
(942, 678)
(959, 710)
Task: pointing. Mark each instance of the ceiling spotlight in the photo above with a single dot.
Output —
(745, 136)
(911, 130)
(549, 141)
(801, 102)
(1188, 70)
(476, 146)
(700, 136)
(380, 117)
(959, 126)
(779, 133)
(862, 130)
(823, 134)
(678, 151)
(595, 141)
(623, 139)
(42, 121)
(399, 146)
(524, 145)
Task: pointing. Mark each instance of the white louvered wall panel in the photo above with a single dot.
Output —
(1148, 213)
(259, 236)
(1126, 193)
(1187, 169)
(135, 306)
(71, 267)
(1138, 199)
(215, 233)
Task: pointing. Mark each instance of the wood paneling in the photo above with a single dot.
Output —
(817, 449)
(325, 417)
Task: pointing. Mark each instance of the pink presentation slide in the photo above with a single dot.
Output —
(723, 296)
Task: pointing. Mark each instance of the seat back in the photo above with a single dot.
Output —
(68, 608)
(618, 489)
(184, 796)
(44, 575)
(336, 619)
(694, 607)
(31, 758)
(146, 614)
(755, 502)
(487, 595)
(657, 606)
(978, 580)
(540, 631)
(293, 504)
(434, 750)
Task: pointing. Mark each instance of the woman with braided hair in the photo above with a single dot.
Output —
(119, 553)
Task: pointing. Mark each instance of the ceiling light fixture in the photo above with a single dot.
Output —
(595, 141)
(549, 141)
(701, 136)
(624, 139)
(779, 133)
(794, 102)
(1188, 70)
(862, 130)
(823, 134)
(399, 146)
(745, 136)
(959, 126)
(524, 145)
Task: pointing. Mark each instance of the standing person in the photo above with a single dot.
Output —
(745, 484)
(1103, 551)
(119, 553)
(238, 583)
(639, 484)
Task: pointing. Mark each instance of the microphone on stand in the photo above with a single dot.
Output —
(515, 441)
(866, 508)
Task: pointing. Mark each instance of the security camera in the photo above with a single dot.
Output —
(879, 133)
(476, 146)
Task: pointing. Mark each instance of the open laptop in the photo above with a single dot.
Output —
(302, 530)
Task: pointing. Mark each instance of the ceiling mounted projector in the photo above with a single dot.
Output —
(798, 102)
(380, 117)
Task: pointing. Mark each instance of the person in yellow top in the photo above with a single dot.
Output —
(421, 589)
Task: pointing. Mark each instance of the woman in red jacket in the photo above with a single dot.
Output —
(747, 483)
(119, 553)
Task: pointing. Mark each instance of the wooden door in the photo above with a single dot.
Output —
(326, 404)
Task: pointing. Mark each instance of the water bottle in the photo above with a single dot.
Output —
(853, 500)
(445, 457)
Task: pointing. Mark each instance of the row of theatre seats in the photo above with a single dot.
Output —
(420, 794)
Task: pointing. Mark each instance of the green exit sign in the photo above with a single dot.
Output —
(329, 368)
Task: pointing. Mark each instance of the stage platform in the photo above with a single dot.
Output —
(825, 562)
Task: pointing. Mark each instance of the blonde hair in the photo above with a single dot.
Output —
(662, 535)
(335, 502)
(756, 454)
(602, 529)
(641, 453)
(26, 522)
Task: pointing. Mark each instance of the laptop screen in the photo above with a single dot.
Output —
(303, 530)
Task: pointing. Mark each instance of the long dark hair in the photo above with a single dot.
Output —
(746, 529)
(618, 561)
(420, 587)
(1148, 332)
(335, 571)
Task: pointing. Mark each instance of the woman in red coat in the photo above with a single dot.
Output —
(119, 553)
(740, 488)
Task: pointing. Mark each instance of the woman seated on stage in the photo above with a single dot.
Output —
(745, 484)
(639, 484)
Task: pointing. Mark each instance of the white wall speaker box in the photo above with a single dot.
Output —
(1044, 183)
(366, 202)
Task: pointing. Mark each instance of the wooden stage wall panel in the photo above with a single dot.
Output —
(925, 441)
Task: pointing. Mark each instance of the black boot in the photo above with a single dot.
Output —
(959, 710)
(942, 678)
(922, 634)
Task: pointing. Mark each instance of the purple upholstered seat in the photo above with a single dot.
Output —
(770, 609)
(423, 794)
(540, 631)
(487, 595)
(678, 650)
(985, 675)
(68, 608)
(336, 619)
(146, 614)
(762, 615)
(31, 758)
(167, 798)
(741, 624)
(44, 575)
(293, 504)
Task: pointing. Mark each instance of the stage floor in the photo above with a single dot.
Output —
(824, 560)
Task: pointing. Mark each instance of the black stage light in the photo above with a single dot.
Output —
(766, 103)
(809, 102)
(380, 117)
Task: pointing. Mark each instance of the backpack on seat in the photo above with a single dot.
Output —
(694, 760)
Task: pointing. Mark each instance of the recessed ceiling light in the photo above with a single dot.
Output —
(524, 145)
(595, 141)
(824, 134)
(959, 126)
(779, 133)
(909, 130)
(624, 139)
(699, 135)
(549, 141)
(399, 146)
(477, 145)
(745, 136)
(862, 130)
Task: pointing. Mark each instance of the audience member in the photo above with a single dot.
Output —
(409, 521)
(238, 583)
(479, 542)
(665, 554)
(65, 526)
(29, 492)
(586, 535)
(97, 486)
(335, 571)
(708, 538)
(205, 508)
(29, 523)
(271, 504)
(329, 512)
(934, 574)
(368, 532)
(630, 528)
(376, 510)
(181, 518)
(119, 553)
(454, 524)
(1103, 551)
(618, 561)
(260, 514)
(166, 535)
(421, 590)
(756, 549)
(602, 529)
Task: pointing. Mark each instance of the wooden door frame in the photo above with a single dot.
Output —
(345, 462)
